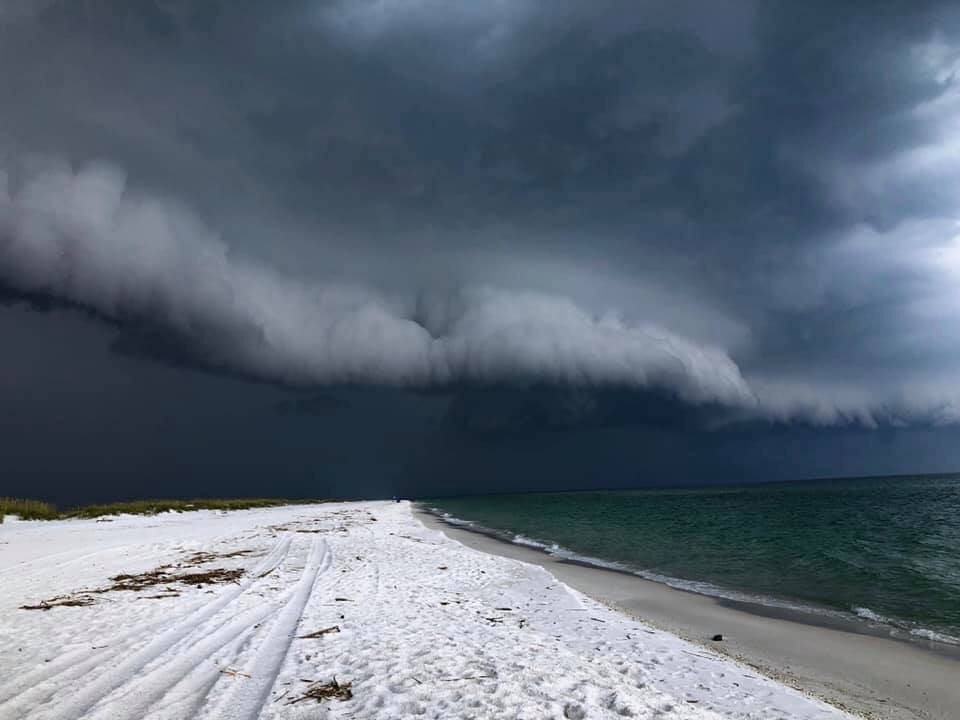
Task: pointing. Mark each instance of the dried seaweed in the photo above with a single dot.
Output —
(162, 576)
(202, 558)
(325, 691)
(141, 581)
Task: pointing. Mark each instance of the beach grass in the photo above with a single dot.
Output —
(28, 509)
(38, 510)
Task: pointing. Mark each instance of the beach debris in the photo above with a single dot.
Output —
(320, 633)
(163, 576)
(235, 673)
(202, 558)
(325, 691)
(717, 638)
(302, 526)
(141, 581)
(340, 599)
(137, 581)
(61, 601)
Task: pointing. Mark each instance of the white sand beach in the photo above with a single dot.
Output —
(417, 625)
(865, 671)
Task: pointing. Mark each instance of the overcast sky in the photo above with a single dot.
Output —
(377, 246)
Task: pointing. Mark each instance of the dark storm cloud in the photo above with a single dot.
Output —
(744, 205)
(82, 237)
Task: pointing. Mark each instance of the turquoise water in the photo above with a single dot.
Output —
(884, 549)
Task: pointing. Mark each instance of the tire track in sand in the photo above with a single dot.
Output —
(159, 685)
(52, 561)
(33, 691)
(245, 700)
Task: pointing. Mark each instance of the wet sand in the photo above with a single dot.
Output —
(875, 676)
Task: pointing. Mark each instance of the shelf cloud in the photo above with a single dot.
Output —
(751, 211)
(84, 238)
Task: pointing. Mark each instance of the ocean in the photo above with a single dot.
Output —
(884, 551)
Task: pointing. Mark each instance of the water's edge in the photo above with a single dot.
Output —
(862, 621)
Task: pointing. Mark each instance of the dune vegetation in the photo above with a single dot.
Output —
(28, 509)
(39, 510)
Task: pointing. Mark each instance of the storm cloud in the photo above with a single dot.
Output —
(81, 238)
(747, 208)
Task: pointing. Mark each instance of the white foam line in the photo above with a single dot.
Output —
(700, 587)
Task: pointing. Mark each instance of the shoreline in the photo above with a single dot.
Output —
(359, 606)
(846, 664)
(794, 611)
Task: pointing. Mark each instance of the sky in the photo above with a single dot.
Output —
(376, 247)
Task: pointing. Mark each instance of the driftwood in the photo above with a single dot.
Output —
(61, 601)
(320, 633)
